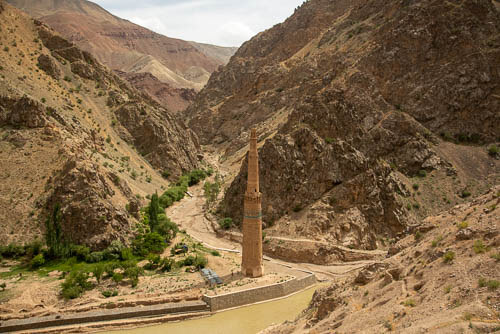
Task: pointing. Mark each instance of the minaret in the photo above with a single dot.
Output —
(251, 265)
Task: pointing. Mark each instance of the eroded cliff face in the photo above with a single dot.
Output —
(353, 100)
(76, 136)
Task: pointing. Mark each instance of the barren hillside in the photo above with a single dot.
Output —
(443, 278)
(74, 134)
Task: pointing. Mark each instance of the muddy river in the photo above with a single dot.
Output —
(244, 320)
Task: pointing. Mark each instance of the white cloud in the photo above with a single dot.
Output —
(220, 22)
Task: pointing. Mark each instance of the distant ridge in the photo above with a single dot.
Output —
(128, 47)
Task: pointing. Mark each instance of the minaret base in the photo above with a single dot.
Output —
(253, 272)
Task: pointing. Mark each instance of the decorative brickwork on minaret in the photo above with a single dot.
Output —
(251, 265)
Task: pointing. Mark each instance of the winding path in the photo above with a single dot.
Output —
(188, 214)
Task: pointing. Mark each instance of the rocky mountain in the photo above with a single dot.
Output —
(372, 115)
(75, 135)
(441, 279)
(125, 46)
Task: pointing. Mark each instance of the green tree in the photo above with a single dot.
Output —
(212, 190)
(166, 228)
(154, 210)
(57, 247)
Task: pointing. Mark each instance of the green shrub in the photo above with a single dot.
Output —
(448, 257)
(12, 251)
(491, 284)
(72, 292)
(81, 252)
(493, 150)
(114, 251)
(117, 277)
(329, 140)
(297, 208)
(166, 264)
(94, 257)
(215, 253)
(479, 247)
(196, 176)
(165, 174)
(415, 186)
(463, 225)
(418, 235)
(465, 194)
(422, 173)
(200, 262)
(126, 254)
(409, 302)
(226, 223)
(109, 269)
(3, 286)
(75, 284)
(98, 270)
(33, 249)
(436, 241)
(133, 273)
(153, 261)
(37, 261)
(189, 261)
(110, 293)
(496, 256)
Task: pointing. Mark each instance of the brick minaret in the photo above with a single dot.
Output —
(251, 265)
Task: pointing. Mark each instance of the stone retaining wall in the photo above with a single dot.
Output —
(259, 294)
(104, 315)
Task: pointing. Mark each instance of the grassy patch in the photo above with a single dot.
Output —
(409, 303)
(492, 284)
(479, 247)
(448, 257)
(436, 241)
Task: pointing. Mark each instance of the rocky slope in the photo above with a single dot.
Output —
(124, 46)
(442, 279)
(371, 115)
(74, 134)
(174, 99)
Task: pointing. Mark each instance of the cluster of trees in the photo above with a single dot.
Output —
(117, 262)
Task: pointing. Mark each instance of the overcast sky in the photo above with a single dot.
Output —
(220, 22)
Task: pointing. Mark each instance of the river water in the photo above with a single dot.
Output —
(245, 320)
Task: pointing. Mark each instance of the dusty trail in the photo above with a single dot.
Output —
(189, 215)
